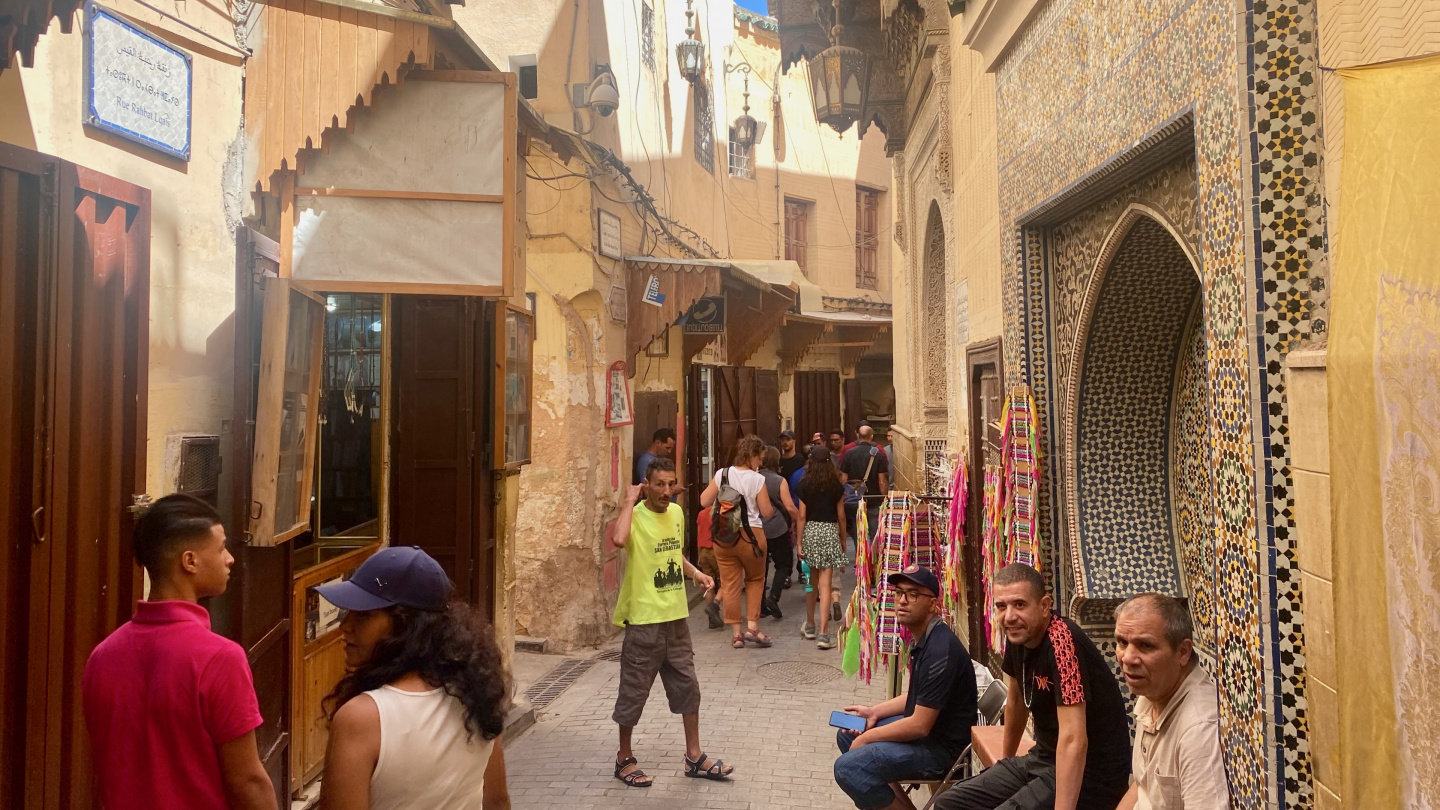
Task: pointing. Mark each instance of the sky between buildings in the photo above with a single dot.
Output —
(753, 5)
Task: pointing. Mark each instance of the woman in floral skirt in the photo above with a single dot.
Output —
(821, 529)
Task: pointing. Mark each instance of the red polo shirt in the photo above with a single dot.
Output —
(161, 694)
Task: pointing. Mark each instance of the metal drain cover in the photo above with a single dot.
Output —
(799, 672)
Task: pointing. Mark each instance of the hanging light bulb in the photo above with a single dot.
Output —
(839, 81)
(690, 53)
(745, 127)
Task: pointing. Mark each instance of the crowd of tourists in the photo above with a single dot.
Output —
(416, 719)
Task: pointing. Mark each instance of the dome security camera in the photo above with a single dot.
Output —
(603, 97)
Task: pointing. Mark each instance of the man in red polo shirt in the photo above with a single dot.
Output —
(171, 705)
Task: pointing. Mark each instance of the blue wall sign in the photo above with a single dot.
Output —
(136, 86)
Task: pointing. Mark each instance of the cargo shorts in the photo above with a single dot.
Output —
(648, 649)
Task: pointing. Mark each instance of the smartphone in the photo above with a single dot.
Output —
(851, 722)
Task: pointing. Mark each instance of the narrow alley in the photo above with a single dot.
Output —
(765, 711)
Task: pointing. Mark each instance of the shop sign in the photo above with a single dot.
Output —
(707, 317)
(653, 296)
(136, 86)
(320, 615)
(610, 235)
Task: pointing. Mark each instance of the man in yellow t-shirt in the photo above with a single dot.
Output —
(655, 611)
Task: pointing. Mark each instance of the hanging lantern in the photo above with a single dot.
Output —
(839, 84)
(690, 53)
(745, 128)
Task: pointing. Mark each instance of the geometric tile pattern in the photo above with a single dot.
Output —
(1289, 232)
(1086, 81)
(1192, 487)
(1125, 542)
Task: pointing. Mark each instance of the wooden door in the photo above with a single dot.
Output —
(434, 436)
(20, 282)
(854, 409)
(984, 369)
(767, 406)
(653, 410)
(488, 351)
(735, 414)
(74, 318)
(817, 403)
(255, 608)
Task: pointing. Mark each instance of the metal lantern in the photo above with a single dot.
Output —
(840, 84)
(690, 53)
(745, 128)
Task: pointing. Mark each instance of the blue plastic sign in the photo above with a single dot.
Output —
(653, 296)
(136, 86)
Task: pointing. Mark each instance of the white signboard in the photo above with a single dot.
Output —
(653, 296)
(610, 235)
(136, 86)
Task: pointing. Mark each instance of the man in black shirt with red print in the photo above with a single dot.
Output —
(1081, 757)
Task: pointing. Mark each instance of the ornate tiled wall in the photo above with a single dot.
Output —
(1191, 486)
(1087, 81)
(1122, 420)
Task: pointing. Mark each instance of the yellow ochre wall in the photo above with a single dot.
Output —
(195, 208)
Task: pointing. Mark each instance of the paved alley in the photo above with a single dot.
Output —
(754, 716)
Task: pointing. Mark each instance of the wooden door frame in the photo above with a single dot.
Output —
(977, 357)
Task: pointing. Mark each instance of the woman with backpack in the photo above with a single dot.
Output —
(739, 504)
(777, 528)
(821, 527)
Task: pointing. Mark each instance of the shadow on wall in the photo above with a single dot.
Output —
(15, 126)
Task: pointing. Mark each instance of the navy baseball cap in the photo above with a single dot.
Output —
(787, 434)
(399, 575)
(916, 575)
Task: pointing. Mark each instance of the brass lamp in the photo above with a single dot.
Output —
(690, 53)
(839, 81)
(745, 128)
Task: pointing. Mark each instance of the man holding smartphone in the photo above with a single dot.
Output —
(917, 735)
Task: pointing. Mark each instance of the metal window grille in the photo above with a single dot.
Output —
(647, 36)
(200, 467)
(740, 163)
(704, 127)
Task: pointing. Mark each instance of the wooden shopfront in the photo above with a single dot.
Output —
(382, 372)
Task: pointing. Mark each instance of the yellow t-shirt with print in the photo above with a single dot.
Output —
(654, 586)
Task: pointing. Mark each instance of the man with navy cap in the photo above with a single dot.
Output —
(919, 734)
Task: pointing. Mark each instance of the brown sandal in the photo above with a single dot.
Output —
(632, 778)
(737, 643)
(758, 638)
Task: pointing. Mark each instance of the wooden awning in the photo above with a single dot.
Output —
(853, 334)
(755, 307)
(23, 21)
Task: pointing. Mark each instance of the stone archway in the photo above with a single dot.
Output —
(1137, 473)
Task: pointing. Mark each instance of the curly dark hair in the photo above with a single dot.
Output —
(454, 649)
(821, 478)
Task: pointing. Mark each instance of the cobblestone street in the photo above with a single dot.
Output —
(774, 732)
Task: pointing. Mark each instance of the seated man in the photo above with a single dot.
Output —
(1177, 763)
(1081, 757)
(919, 734)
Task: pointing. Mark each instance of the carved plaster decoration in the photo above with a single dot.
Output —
(901, 197)
(934, 321)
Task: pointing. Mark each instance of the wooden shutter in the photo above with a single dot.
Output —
(74, 320)
(985, 370)
(867, 238)
(434, 431)
(287, 412)
(797, 230)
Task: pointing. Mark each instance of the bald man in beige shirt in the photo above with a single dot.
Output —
(1176, 762)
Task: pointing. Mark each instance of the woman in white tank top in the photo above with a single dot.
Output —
(415, 722)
